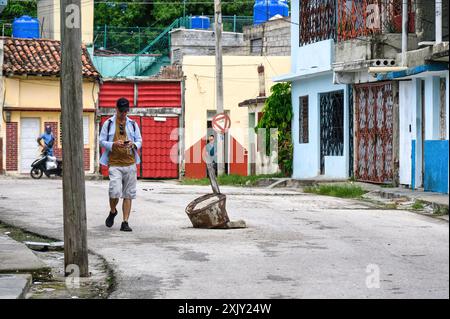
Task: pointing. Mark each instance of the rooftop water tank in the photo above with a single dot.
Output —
(25, 27)
(200, 22)
(263, 10)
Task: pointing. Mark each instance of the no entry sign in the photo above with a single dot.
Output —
(221, 123)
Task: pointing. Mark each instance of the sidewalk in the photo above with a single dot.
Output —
(17, 262)
(438, 201)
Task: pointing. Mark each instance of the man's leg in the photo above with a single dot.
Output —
(115, 190)
(113, 204)
(126, 207)
(129, 179)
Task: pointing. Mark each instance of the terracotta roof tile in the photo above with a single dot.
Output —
(39, 57)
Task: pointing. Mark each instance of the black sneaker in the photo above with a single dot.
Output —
(125, 227)
(110, 220)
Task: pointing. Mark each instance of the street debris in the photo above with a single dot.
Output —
(209, 211)
(44, 246)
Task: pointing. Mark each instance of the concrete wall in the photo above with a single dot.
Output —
(48, 12)
(307, 156)
(383, 46)
(109, 66)
(275, 37)
(42, 93)
(202, 42)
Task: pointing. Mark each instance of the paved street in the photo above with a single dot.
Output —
(296, 245)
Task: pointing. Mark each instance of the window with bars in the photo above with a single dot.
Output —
(303, 120)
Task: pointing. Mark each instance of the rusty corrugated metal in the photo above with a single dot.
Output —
(163, 94)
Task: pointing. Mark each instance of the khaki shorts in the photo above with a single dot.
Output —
(122, 181)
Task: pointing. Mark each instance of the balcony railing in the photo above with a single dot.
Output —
(356, 18)
(317, 20)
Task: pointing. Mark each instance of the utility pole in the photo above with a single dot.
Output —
(74, 201)
(219, 83)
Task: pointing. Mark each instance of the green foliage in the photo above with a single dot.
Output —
(17, 9)
(277, 113)
(340, 190)
(132, 26)
(233, 180)
(418, 205)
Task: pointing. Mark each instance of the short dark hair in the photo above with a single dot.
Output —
(212, 135)
(123, 104)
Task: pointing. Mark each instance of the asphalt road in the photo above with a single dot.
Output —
(296, 245)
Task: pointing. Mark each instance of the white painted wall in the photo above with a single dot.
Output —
(432, 104)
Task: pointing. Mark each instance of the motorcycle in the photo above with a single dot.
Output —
(46, 164)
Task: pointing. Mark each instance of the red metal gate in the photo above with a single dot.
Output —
(373, 132)
(160, 147)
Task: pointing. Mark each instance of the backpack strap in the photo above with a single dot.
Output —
(134, 125)
(109, 125)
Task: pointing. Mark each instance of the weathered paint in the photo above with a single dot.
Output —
(436, 166)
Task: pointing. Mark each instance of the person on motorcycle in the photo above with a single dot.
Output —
(49, 140)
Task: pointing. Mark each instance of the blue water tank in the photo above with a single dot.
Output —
(25, 27)
(263, 10)
(200, 22)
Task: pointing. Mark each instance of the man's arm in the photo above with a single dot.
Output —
(104, 138)
(137, 137)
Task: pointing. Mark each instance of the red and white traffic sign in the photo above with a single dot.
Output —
(221, 123)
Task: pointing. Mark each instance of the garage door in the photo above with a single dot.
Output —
(29, 132)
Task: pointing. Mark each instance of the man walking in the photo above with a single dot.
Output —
(121, 138)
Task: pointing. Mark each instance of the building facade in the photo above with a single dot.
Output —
(320, 126)
(31, 99)
(241, 82)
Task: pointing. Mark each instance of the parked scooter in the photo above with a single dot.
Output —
(47, 165)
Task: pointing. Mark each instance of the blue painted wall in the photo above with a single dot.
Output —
(436, 166)
(307, 156)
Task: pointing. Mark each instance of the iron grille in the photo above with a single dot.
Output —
(331, 126)
(357, 18)
(374, 122)
(303, 120)
(317, 21)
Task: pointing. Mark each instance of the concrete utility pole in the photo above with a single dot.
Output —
(219, 83)
(74, 201)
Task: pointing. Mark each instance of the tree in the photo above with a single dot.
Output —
(17, 9)
(277, 113)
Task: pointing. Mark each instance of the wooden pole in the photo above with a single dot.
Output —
(74, 201)
(219, 82)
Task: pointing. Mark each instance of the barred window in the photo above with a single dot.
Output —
(303, 120)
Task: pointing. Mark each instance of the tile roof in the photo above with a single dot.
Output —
(39, 57)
